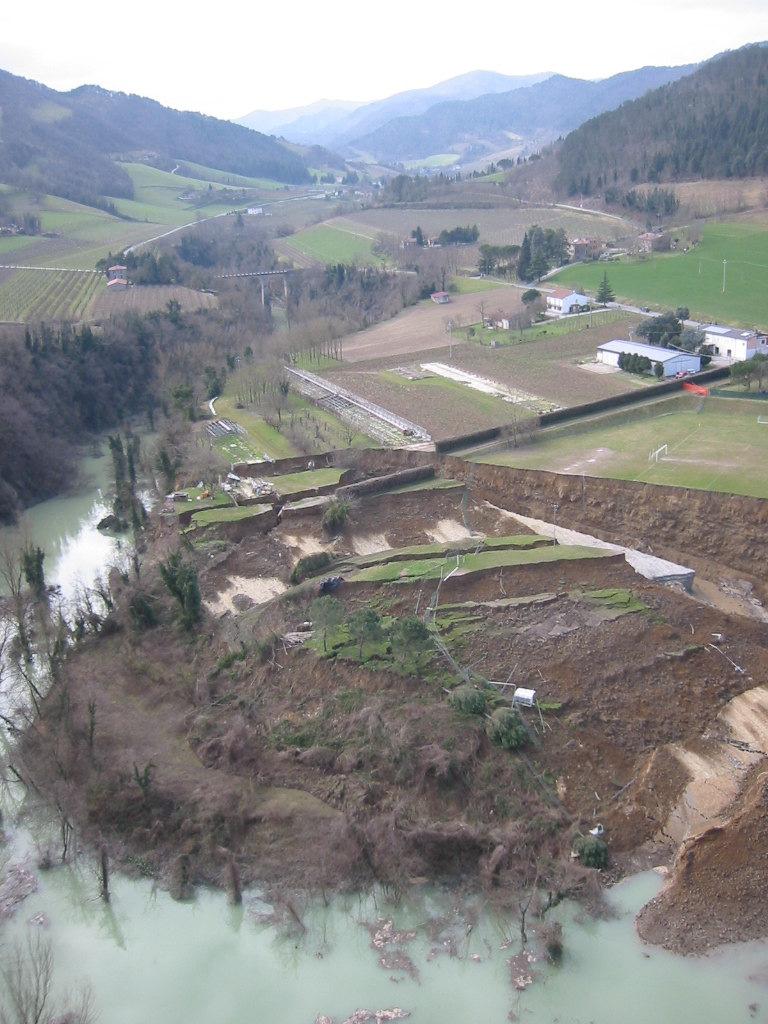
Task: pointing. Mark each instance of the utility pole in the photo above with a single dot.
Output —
(724, 263)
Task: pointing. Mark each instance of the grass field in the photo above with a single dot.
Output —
(695, 278)
(293, 483)
(473, 285)
(499, 226)
(230, 514)
(717, 444)
(260, 438)
(433, 568)
(547, 329)
(326, 244)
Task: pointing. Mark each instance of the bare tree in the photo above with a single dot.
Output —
(27, 976)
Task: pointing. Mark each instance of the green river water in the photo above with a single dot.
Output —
(150, 960)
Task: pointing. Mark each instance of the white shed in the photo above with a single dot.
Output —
(673, 361)
(735, 344)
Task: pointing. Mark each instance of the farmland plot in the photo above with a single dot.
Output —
(48, 295)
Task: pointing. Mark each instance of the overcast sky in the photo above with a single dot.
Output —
(230, 58)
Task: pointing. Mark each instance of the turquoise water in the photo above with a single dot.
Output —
(149, 959)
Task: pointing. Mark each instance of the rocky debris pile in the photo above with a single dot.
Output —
(384, 933)
(364, 1016)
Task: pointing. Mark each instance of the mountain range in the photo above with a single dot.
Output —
(335, 123)
(535, 114)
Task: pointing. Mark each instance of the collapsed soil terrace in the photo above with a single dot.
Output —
(315, 770)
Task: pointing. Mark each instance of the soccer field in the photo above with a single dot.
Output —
(715, 444)
(695, 278)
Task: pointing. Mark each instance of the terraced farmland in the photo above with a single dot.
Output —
(48, 295)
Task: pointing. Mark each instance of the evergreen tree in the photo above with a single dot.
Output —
(605, 292)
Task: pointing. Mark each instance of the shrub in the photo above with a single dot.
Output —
(309, 565)
(142, 611)
(468, 699)
(592, 852)
(506, 729)
(265, 649)
(335, 516)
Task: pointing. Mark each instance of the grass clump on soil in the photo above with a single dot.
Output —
(335, 516)
(309, 565)
(617, 600)
(468, 699)
(592, 851)
(506, 729)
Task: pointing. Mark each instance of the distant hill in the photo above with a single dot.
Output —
(66, 143)
(301, 124)
(711, 124)
(334, 127)
(537, 113)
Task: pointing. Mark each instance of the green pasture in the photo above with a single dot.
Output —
(517, 542)
(333, 245)
(714, 444)
(293, 483)
(546, 329)
(473, 285)
(260, 436)
(694, 279)
(228, 514)
(434, 568)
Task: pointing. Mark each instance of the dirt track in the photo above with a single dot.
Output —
(422, 327)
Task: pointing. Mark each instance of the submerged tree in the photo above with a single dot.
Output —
(32, 558)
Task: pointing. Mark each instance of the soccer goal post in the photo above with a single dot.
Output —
(658, 453)
(762, 419)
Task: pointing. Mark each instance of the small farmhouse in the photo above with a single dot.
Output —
(587, 248)
(117, 273)
(117, 284)
(562, 302)
(734, 344)
(440, 298)
(673, 361)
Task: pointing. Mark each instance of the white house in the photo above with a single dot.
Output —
(672, 360)
(735, 344)
(561, 302)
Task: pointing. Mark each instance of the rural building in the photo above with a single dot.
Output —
(255, 211)
(563, 301)
(117, 273)
(653, 241)
(440, 298)
(587, 248)
(117, 284)
(735, 344)
(672, 360)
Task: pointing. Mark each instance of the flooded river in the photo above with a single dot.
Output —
(149, 959)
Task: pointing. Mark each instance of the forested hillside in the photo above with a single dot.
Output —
(712, 124)
(541, 111)
(66, 144)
